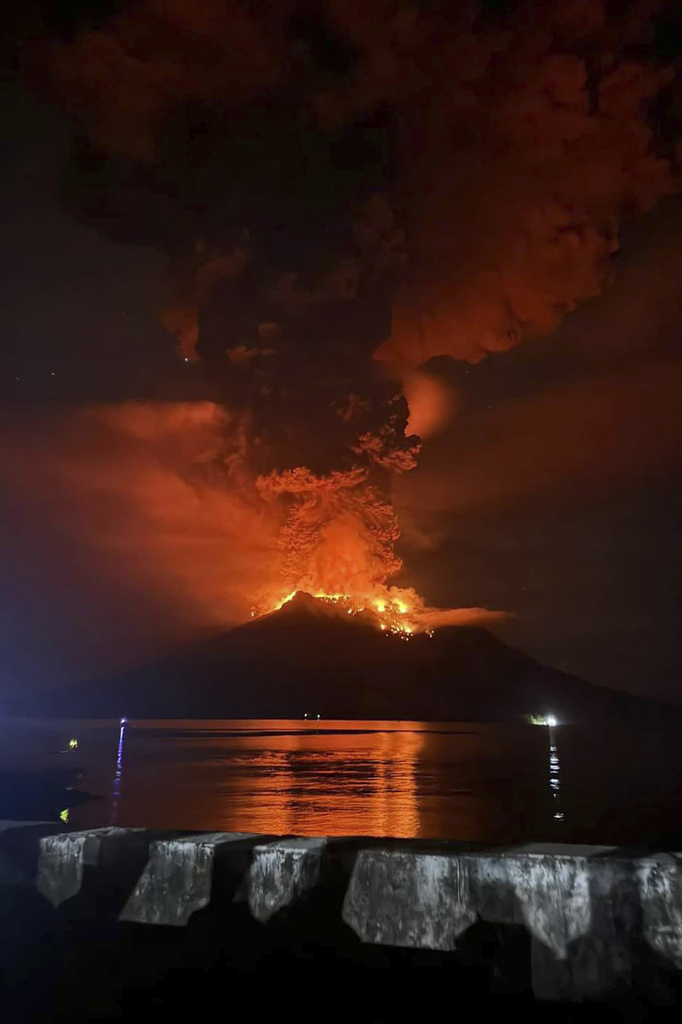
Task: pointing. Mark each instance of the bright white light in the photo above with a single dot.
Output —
(549, 720)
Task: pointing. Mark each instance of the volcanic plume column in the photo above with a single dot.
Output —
(322, 427)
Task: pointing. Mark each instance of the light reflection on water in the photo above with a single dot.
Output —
(555, 776)
(118, 774)
(493, 783)
(402, 779)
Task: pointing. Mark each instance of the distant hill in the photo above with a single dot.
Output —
(311, 657)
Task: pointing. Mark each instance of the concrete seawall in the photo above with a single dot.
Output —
(594, 920)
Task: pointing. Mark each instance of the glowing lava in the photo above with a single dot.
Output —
(393, 612)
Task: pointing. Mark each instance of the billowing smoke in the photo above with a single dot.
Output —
(150, 493)
(346, 190)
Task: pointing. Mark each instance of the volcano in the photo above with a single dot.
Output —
(313, 658)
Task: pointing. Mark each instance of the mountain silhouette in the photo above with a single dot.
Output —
(312, 658)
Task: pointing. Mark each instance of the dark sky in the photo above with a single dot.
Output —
(553, 493)
(74, 305)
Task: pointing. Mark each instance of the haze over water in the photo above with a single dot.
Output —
(465, 781)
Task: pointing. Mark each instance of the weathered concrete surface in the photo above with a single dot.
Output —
(178, 878)
(579, 906)
(63, 858)
(408, 899)
(429, 900)
(549, 889)
(280, 873)
(577, 903)
(660, 896)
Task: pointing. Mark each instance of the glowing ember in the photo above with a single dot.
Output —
(392, 613)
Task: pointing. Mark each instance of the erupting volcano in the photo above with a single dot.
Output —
(321, 426)
(343, 194)
(393, 614)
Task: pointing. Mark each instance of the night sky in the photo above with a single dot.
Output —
(552, 491)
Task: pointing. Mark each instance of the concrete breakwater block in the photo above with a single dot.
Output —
(409, 899)
(280, 873)
(659, 881)
(598, 919)
(545, 887)
(578, 904)
(178, 877)
(172, 877)
(63, 859)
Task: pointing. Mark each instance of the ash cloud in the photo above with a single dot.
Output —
(507, 146)
(511, 147)
(600, 412)
(143, 517)
(345, 191)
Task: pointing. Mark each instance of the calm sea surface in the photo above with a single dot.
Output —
(405, 779)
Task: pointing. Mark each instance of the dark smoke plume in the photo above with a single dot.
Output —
(345, 190)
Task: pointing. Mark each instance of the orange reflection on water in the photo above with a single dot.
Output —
(321, 782)
(371, 778)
